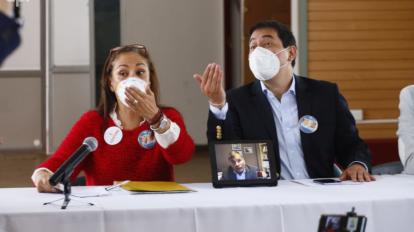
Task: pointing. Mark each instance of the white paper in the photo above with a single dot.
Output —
(83, 192)
(309, 182)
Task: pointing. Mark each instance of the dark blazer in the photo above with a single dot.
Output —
(336, 139)
(251, 173)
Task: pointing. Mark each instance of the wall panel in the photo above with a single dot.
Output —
(367, 48)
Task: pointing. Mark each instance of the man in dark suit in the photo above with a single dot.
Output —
(238, 169)
(308, 120)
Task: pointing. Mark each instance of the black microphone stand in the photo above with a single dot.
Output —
(67, 190)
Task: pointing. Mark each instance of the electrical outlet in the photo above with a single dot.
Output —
(37, 143)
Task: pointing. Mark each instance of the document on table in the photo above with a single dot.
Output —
(309, 182)
(84, 192)
(155, 187)
(130, 187)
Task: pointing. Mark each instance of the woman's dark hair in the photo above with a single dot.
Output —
(284, 33)
(108, 99)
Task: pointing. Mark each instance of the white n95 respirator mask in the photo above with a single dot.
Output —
(129, 82)
(264, 64)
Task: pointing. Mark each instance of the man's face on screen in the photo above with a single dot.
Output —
(237, 163)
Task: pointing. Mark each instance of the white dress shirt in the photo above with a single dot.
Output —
(406, 129)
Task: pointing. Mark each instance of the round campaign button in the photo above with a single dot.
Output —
(146, 139)
(308, 124)
(113, 135)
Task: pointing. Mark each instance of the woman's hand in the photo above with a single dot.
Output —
(211, 84)
(41, 182)
(144, 103)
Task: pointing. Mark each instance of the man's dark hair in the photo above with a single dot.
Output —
(284, 33)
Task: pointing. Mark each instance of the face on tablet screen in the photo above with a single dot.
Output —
(242, 161)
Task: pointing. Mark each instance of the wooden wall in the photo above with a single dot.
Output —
(254, 12)
(367, 48)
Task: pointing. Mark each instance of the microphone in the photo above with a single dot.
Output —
(65, 170)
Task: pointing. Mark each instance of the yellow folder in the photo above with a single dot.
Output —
(156, 187)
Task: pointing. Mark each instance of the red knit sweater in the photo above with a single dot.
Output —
(126, 160)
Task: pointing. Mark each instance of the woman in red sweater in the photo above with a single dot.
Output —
(138, 140)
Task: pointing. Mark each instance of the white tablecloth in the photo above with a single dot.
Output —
(388, 204)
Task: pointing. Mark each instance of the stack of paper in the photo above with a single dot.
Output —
(155, 187)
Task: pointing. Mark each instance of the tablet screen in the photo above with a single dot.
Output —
(242, 163)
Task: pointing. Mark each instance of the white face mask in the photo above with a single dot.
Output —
(130, 81)
(265, 64)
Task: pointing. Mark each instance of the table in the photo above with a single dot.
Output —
(290, 207)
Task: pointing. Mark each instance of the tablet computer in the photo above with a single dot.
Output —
(242, 163)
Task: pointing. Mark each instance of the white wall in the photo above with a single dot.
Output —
(183, 36)
(69, 80)
(71, 92)
(20, 112)
(27, 55)
(70, 32)
(20, 86)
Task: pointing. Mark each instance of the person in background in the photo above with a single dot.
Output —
(308, 120)
(406, 129)
(138, 139)
(10, 38)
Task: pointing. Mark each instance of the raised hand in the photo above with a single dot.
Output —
(211, 84)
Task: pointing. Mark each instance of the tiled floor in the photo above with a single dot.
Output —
(16, 168)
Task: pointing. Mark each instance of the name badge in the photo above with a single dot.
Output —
(146, 139)
(113, 135)
(308, 124)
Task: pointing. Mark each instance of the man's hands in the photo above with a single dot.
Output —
(356, 172)
(211, 84)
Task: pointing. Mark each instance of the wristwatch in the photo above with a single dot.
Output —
(163, 124)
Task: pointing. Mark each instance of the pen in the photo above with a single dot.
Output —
(117, 185)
